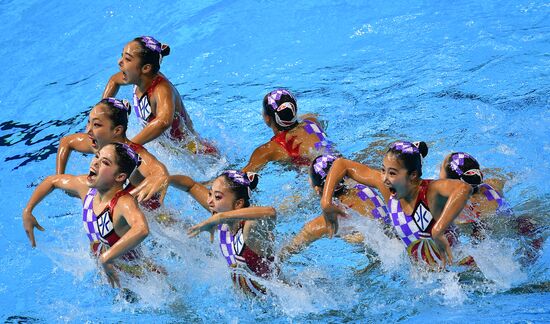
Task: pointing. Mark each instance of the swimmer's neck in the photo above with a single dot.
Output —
(107, 194)
(145, 81)
(412, 193)
(274, 129)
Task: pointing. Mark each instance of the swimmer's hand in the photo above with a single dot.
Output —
(150, 186)
(331, 213)
(29, 223)
(209, 225)
(110, 271)
(444, 248)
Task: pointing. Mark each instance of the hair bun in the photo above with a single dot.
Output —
(422, 148)
(253, 177)
(164, 50)
(126, 104)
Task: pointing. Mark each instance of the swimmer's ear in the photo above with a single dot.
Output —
(146, 69)
(239, 203)
(413, 175)
(118, 130)
(121, 177)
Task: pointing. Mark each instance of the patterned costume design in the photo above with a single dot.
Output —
(414, 230)
(239, 256)
(380, 209)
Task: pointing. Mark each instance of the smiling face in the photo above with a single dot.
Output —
(221, 198)
(130, 63)
(396, 177)
(100, 127)
(104, 171)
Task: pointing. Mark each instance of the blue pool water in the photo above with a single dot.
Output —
(467, 75)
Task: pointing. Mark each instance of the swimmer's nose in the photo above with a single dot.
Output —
(120, 62)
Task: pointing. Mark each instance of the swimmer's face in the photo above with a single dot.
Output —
(442, 171)
(100, 127)
(395, 176)
(130, 63)
(221, 198)
(104, 171)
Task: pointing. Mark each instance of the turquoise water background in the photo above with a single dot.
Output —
(471, 76)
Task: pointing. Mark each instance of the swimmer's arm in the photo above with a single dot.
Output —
(248, 213)
(261, 155)
(195, 189)
(456, 194)
(113, 85)
(139, 229)
(155, 178)
(74, 185)
(166, 107)
(358, 172)
(79, 142)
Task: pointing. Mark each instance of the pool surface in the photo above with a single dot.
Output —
(470, 76)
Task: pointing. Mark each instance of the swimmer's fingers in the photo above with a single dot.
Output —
(194, 230)
(449, 256)
(30, 235)
(29, 223)
(445, 250)
(112, 276)
(212, 231)
(331, 214)
(162, 195)
(113, 279)
(137, 192)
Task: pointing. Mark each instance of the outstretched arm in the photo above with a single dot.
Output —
(113, 85)
(76, 142)
(164, 98)
(195, 189)
(311, 232)
(139, 229)
(73, 185)
(248, 213)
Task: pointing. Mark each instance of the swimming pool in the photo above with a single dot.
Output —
(461, 76)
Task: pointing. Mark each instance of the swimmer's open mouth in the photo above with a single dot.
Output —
(392, 190)
(94, 141)
(92, 175)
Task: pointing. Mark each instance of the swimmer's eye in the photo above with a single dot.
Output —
(218, 197)
(97, 125)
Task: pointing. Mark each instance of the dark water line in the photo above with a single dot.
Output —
(32, 134)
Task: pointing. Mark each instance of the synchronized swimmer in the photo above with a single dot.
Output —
(124, 176)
